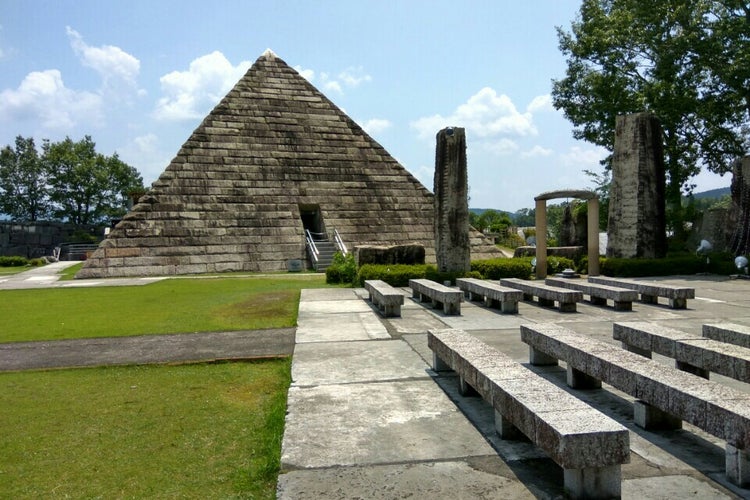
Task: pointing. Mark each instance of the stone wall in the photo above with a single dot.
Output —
(38, 239)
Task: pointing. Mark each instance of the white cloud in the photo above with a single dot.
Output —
(540, 103)
(485, 114)
(307, 74)
(351, 77)
(536, 151)
(42, 95)
(501, 147)
(114, 65)
(376, 125)
(144, 153)
(191, 94)
(584, 158)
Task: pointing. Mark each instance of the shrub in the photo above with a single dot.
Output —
(343, 269)
(715, 263)
(441, 277)
(393, 274)
(495, 269)
(557, 264)
(13, 261)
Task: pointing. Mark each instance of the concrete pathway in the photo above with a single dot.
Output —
(367, 418)
(48, 277)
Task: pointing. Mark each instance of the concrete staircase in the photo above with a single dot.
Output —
(326, 249)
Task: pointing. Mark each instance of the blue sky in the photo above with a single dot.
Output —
(139, 76)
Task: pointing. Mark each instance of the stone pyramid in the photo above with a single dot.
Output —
(273, 158)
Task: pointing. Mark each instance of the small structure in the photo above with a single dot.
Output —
(541, 227)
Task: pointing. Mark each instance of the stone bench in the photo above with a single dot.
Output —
(492, 294)
(588, 445)
(729, 333)
(692, 353)
(665, 396)
(548, 295)
(650, 292)
(440, 295)
(599, 294)
(387, 299)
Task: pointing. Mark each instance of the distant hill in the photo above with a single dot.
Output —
(712, 193)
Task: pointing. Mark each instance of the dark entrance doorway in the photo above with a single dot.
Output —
(312, 221)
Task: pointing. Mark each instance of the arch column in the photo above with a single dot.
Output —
(541, 238)
(593, 235)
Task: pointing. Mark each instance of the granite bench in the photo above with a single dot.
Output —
(599, 294)
(588, 445)
(548, 295)
(665, 396)
(387, 299)
(729, 333)
(440, 295)
(692, 353)
(650, 292)
(491, 293)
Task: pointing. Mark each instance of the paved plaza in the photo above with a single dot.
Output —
(367, 417)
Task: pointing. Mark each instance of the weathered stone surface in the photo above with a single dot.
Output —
(728, 332)
(451, 202)
(273, 147)
(637, 225)
(396, 254)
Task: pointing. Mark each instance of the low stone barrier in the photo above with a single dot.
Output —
(439, 295)
(665, 396)
(492, 294)
(729, 333)
(588, 445)
(692, 353)
(387, 299)
(622, 298)
(650, 292)
(548, 295)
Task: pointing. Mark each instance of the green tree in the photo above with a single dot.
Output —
(88, 187)
(684, 60)
(24, 194)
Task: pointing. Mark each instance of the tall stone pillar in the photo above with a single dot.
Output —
(540, 209)
(740, 244)
(451, 202)
(637, 224)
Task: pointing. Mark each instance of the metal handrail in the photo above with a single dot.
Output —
(339, 242)
(310, 243)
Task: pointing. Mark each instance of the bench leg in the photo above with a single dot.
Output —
(686, 367)
(599, 482)
(465, 389)
(678, 303)
(737, 466)
(579, 380)
(568, 307)
(646, 353)
(438, 364)
(623, 306)
(452, 308)
(392, 311)
(546, 302)
(649, 299)
(538, 358)
(652, 418)
(598, 301)
(509, 307)
(505, 429)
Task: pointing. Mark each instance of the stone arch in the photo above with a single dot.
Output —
(592, 226)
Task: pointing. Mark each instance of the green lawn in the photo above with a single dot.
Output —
(169, 306)
(12, 270)
(191, 431)
(188, 431)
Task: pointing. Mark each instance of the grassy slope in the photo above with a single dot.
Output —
(170, 306)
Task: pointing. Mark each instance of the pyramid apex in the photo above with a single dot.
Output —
(269, 54)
